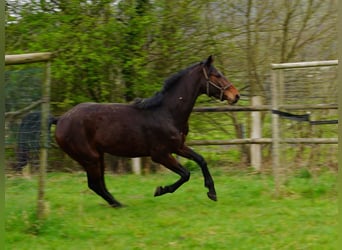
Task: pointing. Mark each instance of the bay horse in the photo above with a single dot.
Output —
(155, 127)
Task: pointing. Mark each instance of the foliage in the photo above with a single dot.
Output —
(246, 216)
(111, 51)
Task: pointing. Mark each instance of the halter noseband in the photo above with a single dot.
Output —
(222, 89)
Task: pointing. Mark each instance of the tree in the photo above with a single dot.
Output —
(134, 22)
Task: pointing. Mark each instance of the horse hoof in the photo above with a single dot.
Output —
(117, 205)
(212, 196)
(159, 191)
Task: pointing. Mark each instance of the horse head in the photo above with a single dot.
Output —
(217, 85)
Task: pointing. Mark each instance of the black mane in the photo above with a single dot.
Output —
(157, 98)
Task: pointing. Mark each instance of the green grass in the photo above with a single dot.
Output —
(246, 216)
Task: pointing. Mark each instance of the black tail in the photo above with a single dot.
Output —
(53, 120)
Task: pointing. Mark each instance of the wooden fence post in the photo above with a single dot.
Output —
(136, 165)
(256, 133)
(44, 142)
(275, 133)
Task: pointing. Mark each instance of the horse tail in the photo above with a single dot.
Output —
(53, 120)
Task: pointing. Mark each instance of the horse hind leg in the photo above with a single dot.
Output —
(97, 184)
(171, 163)
(96, 181)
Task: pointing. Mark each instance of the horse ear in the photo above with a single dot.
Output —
(209, 61)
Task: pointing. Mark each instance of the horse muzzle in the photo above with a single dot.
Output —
(231, 98)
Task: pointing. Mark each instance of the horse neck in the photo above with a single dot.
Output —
(180, 101)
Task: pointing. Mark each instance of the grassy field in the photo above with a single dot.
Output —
(246, 216)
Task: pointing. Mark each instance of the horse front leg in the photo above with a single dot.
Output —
(188, 153)
(171, 163)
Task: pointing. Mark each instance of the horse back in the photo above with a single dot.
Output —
(118, 129)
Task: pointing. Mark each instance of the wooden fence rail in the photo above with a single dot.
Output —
(266, 108)
(304, 64)
(28, 58)
(264, 141)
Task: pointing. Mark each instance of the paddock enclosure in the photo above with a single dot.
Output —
(247, 135)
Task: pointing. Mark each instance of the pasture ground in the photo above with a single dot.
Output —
(246, 216)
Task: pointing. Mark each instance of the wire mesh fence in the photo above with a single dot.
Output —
(308, 86)
(22, 126)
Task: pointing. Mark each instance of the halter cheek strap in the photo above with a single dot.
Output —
(222, 89)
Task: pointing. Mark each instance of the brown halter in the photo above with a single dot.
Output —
(222, 89)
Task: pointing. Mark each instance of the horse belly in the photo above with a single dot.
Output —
(123, 141)
(127, 149)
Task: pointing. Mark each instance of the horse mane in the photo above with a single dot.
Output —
(157, 98)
